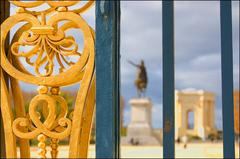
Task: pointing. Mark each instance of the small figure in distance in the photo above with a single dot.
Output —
(184, 140)
(141, 80)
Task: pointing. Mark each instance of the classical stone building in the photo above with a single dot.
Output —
(198, 105)
(236, 112)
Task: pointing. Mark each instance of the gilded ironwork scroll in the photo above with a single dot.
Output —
(42, 43)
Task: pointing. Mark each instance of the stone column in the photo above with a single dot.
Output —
(140, 117)
(140, 131)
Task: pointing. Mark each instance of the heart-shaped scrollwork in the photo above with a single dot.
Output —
(54, 126)
(46, 47)
(50, 48)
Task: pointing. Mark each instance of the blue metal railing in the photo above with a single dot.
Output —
(168, 78)
(227, 78)
(107, 70)
(107, 75)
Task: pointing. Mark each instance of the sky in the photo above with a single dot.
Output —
(197, 50)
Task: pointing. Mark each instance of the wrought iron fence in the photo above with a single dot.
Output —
(107, 59)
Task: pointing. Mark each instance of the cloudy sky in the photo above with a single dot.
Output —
(197, 49)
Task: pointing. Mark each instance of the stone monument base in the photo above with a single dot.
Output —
(139, 140)
(139, 131)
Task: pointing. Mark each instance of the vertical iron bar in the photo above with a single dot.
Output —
(107, 75)
(168, 78)
(227, 78)
(4, 14)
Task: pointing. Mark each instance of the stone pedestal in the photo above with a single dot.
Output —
(139, 131)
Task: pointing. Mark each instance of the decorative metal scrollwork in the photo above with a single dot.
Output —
(43, 44)
(52, 5)
(47, 45)
(52, 123)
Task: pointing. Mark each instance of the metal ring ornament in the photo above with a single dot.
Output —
(52, 6)
(30, 4)
(71, 75)
(49, 124)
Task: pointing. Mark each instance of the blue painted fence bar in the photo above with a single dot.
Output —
(168, 78)
(227, 78)
(107, 75)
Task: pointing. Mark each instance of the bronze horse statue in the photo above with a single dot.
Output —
(141, 80)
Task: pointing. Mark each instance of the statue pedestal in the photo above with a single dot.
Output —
(139, 131)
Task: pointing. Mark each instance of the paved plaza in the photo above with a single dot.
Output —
(194, 150)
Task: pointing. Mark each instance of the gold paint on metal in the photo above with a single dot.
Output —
(42, 89)
(47, 52)
(42, 145)
(55, 90)
(54, 146)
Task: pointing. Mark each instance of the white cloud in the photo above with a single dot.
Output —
(197, 47)
(208, 61)
(197, 50)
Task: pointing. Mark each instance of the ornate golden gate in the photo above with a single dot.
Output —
(48, 49)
